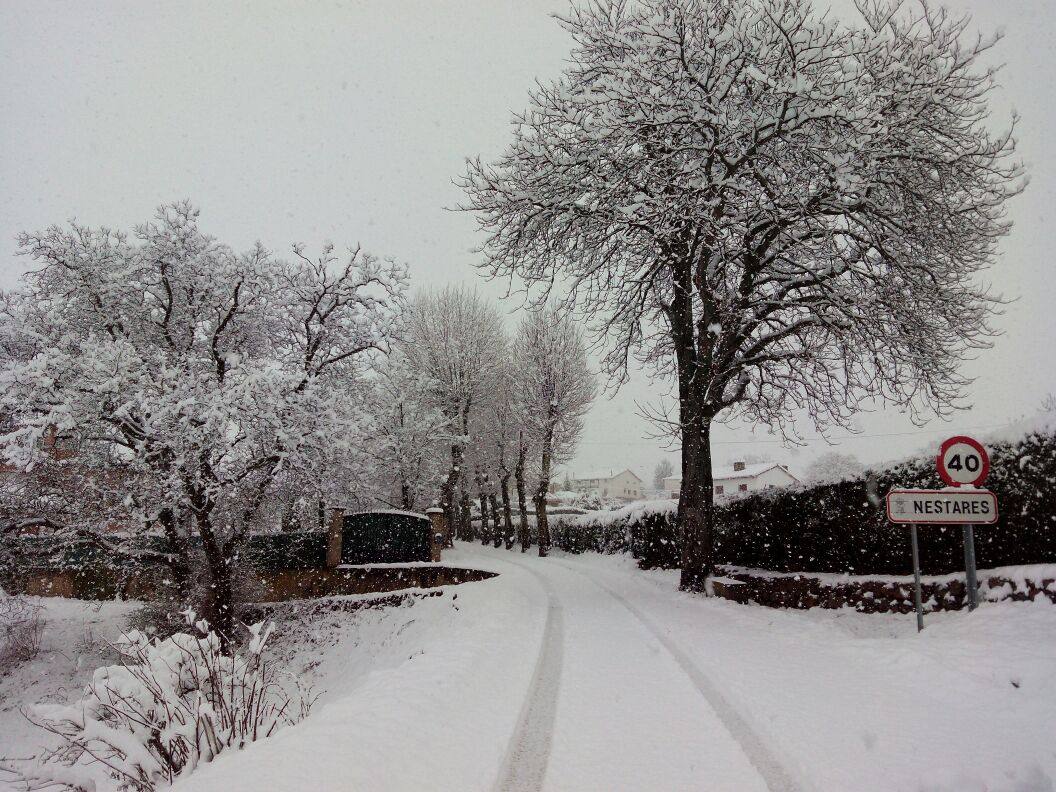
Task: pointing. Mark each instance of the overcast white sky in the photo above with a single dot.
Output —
(347, 121)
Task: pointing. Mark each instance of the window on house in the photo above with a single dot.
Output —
(718, 489)
(743, 487)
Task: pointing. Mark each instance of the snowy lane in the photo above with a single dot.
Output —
(528, 754)
(758, 752)
(853, 701)
(628, 716)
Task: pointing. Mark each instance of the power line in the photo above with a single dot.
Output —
(819, 438)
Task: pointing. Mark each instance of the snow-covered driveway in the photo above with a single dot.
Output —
(584, 673)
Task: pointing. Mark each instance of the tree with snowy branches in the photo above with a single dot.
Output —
(554, 387)
(409, 433)
(781, 212)
(456, 341)
(831, 467)
(205, 371)
(663, 469)
(505, 437)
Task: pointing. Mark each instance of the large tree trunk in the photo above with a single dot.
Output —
(406, 497)
(496, 528)
(219, 605)
(465, 521)
(696, 508)
(483, 498)
(507, 516)
(447, 496)
(694, 364)
(176, 547)
(522, 499)
(540, 495)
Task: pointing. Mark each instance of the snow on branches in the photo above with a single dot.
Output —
(455, 342)
(205, 372)
(553, 390)
(811, 202)
(785, 212)
(169, 706)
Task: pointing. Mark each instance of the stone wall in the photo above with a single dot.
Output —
(877, 595)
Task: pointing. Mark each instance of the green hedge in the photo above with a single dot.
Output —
(294, 550)
(843, 528)
(385, 538)
(372, 537)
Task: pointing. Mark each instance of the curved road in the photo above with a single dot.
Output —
(614, 704)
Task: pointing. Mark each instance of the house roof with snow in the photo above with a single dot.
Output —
(599, 475)
(750, 471)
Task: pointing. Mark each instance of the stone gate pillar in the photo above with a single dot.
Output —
(333, 544)
(437, 531)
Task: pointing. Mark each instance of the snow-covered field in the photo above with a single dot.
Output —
(584, 673)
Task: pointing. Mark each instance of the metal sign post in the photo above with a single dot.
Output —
(963, 464)
(969, 567)
(916, 578)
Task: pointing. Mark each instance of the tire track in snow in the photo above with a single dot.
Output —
(773, 772)
(528, 754)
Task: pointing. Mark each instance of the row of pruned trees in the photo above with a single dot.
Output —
(472, 414)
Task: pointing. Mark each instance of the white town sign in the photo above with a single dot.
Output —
(939, 507)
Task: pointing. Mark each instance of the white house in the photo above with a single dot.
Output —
(740, 478)
(623, 485)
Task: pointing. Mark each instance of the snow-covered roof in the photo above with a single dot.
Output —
(750, 471)
(599, 475)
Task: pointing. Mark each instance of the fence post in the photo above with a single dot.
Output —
(437, 531)
(333, 545)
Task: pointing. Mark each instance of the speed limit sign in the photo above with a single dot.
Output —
(963, 462)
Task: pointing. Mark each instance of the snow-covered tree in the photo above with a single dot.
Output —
(456, 341)
(410, 432)
(833, 466)
(783, 212)
(506, 440)
(522, 470)
(663, 469)
(554, 387)
(207, 372)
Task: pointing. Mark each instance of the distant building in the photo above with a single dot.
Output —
(739, 478)
(622, 486)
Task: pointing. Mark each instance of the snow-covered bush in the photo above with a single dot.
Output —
(168, 706)
(21, 628)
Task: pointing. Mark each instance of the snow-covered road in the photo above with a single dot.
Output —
(584, 673)
(614, 706)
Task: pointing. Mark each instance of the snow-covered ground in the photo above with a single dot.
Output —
(584, 673)
(74, 644)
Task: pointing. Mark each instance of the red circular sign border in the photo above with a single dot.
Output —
(984, 471)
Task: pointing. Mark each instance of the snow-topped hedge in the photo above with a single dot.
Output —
(842, 527)
(646, 529)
